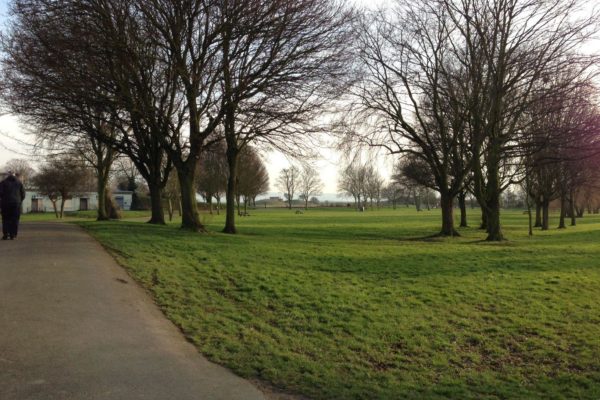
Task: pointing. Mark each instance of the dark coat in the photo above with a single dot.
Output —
(11, 191)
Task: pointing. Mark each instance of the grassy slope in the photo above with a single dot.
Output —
(338, 304)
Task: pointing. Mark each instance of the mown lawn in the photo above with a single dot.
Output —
(71, 216)
(335, 304)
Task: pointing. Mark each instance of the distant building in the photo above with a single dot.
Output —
(82, 201)
(35, 202)
(275, 198)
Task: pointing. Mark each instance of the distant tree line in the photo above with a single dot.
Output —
(363, 183)
(304, 182)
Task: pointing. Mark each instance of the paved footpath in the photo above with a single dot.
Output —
(73, 325)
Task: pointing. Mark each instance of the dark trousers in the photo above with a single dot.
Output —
(10, 219)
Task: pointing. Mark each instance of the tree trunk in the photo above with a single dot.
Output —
(462, 202)
(572, 209)
(563, 211)
(545, 215)
(190, 218)
(62, 206)
(447, 205)
(158, 216)
(111, 208)
(538, 214)
(492, 206)
(232, 161)
(529, 216)
(493, 219)
(484, 220)
(170, 208)
(417, 201)
(102, 182)
(55, 208)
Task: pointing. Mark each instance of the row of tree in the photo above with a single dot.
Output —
(475, 95)
(166, 82)
(63, 176)
(478, 95)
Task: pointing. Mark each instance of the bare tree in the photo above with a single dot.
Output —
(374, 184)
(352, 181)
(253, 178)
(59, 179)
(62, 73)
(310, 184)
(413, 174)
(100, 156)
(169, 76)
(563, 136)
(450, 82)
(212, 175)
(509, 49)
(21, 168)
(410, 100)
(576, 167)
(31, 88)
(282, 62)
(393, 192)
(288, 182)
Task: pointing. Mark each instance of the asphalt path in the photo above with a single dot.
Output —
(73, 325)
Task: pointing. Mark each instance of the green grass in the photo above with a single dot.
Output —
(78, 216)
(335, 304)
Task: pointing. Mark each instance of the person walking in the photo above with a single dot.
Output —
(12, 195)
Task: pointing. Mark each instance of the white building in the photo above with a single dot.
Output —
(35, 202)
(83, 201)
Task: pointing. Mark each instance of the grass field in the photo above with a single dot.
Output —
(77, 216)
(335, 304)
